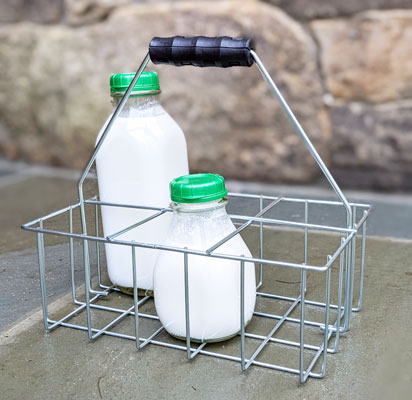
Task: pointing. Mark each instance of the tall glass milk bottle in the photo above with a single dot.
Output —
(199, 221)
(142, 153)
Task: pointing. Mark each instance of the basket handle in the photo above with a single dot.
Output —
(201, 51)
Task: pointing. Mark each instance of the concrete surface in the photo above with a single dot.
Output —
(28, 192)
(20, 283)
(374, 361)
(392, 212)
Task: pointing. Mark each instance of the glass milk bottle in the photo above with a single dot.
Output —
(199, 221)
(142, 153)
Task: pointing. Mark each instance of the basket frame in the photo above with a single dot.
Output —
(330, 336)
(344, 256)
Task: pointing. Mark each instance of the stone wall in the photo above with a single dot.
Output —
(344, 67)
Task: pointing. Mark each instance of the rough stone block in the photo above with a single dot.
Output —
(304, 9)
(40, 11)
(80, 12)
(372, 145)
(54, 88)
(369, 57)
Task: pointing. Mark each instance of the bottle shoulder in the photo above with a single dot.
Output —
(140, 107)
(144, 127)
(201, 231)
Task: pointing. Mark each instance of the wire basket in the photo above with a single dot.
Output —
(294, 326)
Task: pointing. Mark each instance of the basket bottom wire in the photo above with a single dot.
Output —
(224, 349)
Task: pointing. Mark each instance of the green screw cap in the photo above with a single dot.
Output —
(147, 82)
(197, 188)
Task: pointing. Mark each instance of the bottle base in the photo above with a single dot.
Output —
(222, 339)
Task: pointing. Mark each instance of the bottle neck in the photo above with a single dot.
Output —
(200, 207)
(139, 106)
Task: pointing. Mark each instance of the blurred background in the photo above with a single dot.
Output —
(345, 67)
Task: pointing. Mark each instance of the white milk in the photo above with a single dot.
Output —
(142, 153)
(214, 284)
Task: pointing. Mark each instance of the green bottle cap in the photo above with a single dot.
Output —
(148, 83)
(197, 188)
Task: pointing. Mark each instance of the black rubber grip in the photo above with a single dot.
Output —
(202, 51)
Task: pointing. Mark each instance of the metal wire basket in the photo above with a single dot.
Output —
(291, 332)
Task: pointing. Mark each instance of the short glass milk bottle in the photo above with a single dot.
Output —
(199, 221)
